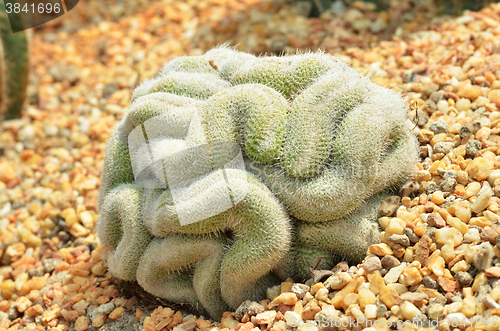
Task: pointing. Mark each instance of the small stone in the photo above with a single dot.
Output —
(442, 236)
(489, 303)
(229, 323)
(371, 311)
(78, 230)
(437, 96)
(472, 189)
(422, 249)
(425, 136)
(443, 147)
(366, 297)
(300, 290)
(82, 323)
(438, 198)
(288, 299)
(81, 307)
(463, 105)
(482, 134)
(35, 310)
(390, 205)
(411, 235)
(338, 280)
(251, 308)
(480, 168)
(483, 199)
(322, 295)
(430, 283)
(372, 263)
(292, 319)
(447, 185)
(63, 72)
(99, 269)
(115, 314)
(438, 127)
(400, 239)
(389, 262)
(265, 317)
(494, 97)
(435, 220)
(489, 235)
(50, 264)
(471, 92)
(389, 297)
(412, 276)
(392, 275)
(413, 296)
(436, 264)
(448, 285)
(469, 129)
(273, 292)
(463, 278)
(350, 299)
(22, 304)
(408, 310)
(15, 251)
(380, 249)
(105, 308)
(492, 272)
(99, 320)
(460, 266)
(435, 311)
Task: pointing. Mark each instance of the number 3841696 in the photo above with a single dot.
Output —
(39, 8)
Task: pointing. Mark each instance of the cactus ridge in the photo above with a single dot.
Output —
(230, 171)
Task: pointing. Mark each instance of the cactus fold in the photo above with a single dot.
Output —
(231, 171)
(14, 67)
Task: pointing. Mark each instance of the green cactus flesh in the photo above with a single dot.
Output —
(231, 171)
(14, 67)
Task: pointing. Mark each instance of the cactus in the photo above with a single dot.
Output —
(223, 158)
(13, 68)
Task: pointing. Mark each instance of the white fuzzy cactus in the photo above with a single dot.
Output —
(223, 158)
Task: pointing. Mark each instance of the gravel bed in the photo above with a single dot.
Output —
(439, 256)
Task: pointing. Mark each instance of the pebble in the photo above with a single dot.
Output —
(105, 308)
(408, 310)
(483, 199)
(443, 147)
(448, 234)
(435, 220)
(288, 299)
(380, 249)
(479, 169)
(338, 280)
(492, 272)
(372, 263)
(300, 290)
(463, 278)
(116, 313)
(389, 262)
(400, 239)
(393, 274)
(99, 320)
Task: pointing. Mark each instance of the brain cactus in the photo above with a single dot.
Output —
(232, 171)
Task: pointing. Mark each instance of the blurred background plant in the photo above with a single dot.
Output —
(14, 65)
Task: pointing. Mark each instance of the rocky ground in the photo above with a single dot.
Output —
(439, 256)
